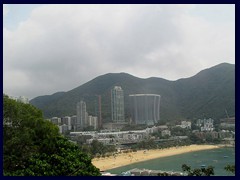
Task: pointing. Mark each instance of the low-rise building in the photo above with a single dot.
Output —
(67, 120)
(228, 122)
(93, 121)
(56, 120)
(205, 124)
(166, 132)
(185, 125)
(63, 128)
(105, 141)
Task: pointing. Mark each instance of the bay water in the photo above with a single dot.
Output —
(218, 158)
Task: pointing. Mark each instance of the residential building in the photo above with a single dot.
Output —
(98, 110)
(67, 120)
(145, 108)
(63, 128)
(166, 132)
(117, 104)
(56, 120)
(205, 124)
(93, 121)
(228, 122)
(82, 116)
(73, 122)
(185, 125)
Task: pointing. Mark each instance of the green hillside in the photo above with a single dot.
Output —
(207, 94)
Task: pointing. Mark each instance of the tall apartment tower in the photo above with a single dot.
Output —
(98, 110)
(145, 108)
(82, 116)
(117, 104)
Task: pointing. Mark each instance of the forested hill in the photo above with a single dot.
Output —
(207, 94)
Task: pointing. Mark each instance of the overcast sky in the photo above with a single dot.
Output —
(51, 48)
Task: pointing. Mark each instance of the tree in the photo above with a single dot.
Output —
(97, 147)
(33, 146)
(163, 174)
(198, 171)
(230, 168)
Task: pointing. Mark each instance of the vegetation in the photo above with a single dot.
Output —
(198, 171)
(98, 148)
(193, 97)
(230, 168)
(33, 146)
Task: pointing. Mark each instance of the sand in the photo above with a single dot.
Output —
(129, 158)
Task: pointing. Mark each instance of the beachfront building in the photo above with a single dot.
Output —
(206, 124)
(145, 108)
(117, 104)
(121, 137)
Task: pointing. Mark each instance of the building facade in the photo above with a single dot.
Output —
(145, 108)
(82, 116)
(117, 104)
(206, 124)
(67, 120)
(93, 121)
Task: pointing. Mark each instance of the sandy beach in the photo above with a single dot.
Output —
(143, 155)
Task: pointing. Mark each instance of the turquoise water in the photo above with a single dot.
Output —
(218, 158)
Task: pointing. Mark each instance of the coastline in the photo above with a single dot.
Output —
(124, 159)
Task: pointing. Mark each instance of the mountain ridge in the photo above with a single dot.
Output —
(180, 99)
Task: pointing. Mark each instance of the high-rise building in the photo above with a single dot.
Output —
(145, 108)
(117, 104)
(93, 121)
(82, 116)
(98, 110)
(67, 120)
(73, 122)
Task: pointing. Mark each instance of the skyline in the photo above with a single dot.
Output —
(51, 48)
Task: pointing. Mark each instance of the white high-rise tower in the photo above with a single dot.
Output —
(82, 116)
(117, 104)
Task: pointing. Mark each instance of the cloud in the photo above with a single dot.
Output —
(59, 47)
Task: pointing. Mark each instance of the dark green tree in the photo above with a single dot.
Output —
(198, 171)
(97, 147)
(33, 146)
(230, 168)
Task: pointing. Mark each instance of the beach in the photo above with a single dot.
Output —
(124, 159)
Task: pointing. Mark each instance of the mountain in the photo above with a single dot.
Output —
(207, 94)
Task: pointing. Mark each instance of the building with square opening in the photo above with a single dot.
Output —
(145, 108)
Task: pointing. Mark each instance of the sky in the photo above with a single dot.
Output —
(51, 48)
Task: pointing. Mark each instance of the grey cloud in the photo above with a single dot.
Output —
(62, 46)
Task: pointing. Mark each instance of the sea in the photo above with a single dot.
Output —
(218, 158)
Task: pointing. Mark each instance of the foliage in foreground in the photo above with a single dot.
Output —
(33, 146)
(230, 168)
(198, 171)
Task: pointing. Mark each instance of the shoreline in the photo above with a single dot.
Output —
(124, 159)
